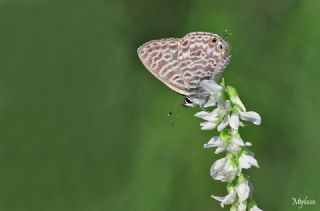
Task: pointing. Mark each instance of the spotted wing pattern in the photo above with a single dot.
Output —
(201, 55)
(160, 58)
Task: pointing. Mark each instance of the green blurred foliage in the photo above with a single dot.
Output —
(84, 126)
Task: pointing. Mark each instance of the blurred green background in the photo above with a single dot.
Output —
(84, 126)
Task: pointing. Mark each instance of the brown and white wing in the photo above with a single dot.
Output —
(160, 58)
(198, 59)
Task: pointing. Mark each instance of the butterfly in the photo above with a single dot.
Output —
(182, 63)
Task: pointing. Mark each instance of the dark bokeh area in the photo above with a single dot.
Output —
(84, 126)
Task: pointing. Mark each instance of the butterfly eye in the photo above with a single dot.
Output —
(188, 102)
(213, 41)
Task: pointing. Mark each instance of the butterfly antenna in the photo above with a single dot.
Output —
(226, 33)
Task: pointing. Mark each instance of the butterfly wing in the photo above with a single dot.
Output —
(160, 58)
(200, 57)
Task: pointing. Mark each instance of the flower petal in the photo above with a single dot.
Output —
(243, 190)
(218, 164)
(208, 125)
(213, 142)
(204, 115)
(251, 160)
(243, 163)
(228, 199)
(233, 148)
(223, 170)
(246, 161)
(234, 121)
(223, 124)
(211, 102)
(255, 208)
(220, 149)
(236, 100)
(251, 116)
(248, 144)
(238, 141)
(219, 198)
(229, 175)
(230, 171)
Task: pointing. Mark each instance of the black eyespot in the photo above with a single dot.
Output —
(213, 41)
(221, 46)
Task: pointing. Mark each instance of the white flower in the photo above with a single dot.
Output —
(255, 208)
(251, 116)
(243, 188)
(213, 119)
(235, 144)
(208, 125)
(224, 169)
(246, 161)
(232, 144)
(212, 142)
(226, 118)
(228, 199)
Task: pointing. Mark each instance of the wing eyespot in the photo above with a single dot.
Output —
(213, 42)
(220, 47)
(185, 44)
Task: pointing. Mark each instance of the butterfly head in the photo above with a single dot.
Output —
(193, 101)
(188, 102)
